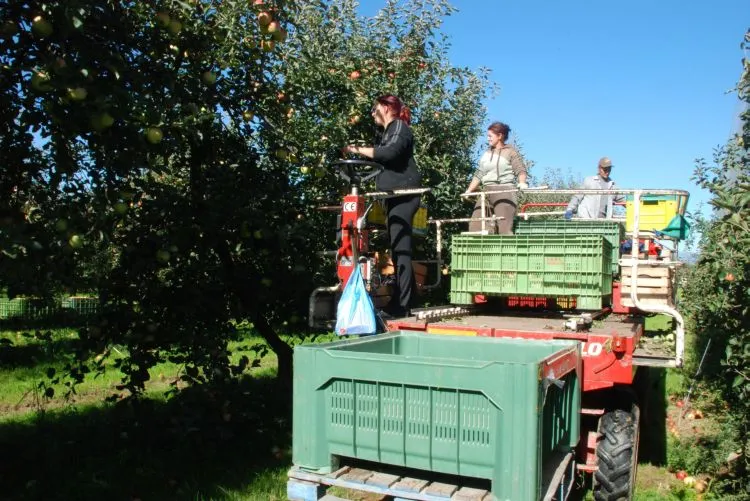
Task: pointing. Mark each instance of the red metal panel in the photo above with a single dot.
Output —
(581, 336)
(617, 306)
(406, 325)
(590, 465)
(607, 358)
(559, 365)
(592, 412)
(352, 209)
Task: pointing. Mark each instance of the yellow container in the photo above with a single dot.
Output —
(377, 215)
(655, 214)
(419, 223)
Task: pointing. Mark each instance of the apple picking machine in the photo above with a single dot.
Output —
(521, 385)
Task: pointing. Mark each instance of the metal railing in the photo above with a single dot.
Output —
(634, 262)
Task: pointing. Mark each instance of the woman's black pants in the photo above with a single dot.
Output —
(401, 212)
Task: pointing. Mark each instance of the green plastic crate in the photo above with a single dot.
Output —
(10, 308)
(82, 305)
(25, 308)
(476, 407)
(532, 265)
(612, 231)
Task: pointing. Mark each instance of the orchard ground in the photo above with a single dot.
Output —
(229, 442)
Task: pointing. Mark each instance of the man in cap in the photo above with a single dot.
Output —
(595, 206)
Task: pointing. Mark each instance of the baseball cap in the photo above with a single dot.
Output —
(605, 163)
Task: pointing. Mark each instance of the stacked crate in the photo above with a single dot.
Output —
(578, 266)
(32, 308)
(655, 284)
(612, 231)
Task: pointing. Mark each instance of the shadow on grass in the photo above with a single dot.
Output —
(36, 353)
(205, 443)
(61, 320)
(650, 384)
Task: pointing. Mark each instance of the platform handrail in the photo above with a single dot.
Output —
(574, 191)
(402, 192)
(653, 308)
(633, 263)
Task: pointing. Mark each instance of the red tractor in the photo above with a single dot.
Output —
(359, 220)
(537, 285)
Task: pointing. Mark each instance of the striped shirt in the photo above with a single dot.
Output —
(500, 167)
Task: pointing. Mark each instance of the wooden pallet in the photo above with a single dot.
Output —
(306, 486)
(654, 284)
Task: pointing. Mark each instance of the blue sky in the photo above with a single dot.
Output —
(644, 81)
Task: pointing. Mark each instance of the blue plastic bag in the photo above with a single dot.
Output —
(355, 313)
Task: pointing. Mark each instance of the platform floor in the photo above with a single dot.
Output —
(533, 322)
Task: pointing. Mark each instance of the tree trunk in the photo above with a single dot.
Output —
(283, 351)
(246, 295)
(251, 305)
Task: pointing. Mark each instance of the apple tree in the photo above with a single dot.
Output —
(336, 63)
(716, 296)
(170, 155)
(130, 142)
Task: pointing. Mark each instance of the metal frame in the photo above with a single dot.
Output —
(634, 261)
(610, 365)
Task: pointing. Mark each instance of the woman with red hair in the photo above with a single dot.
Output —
(395, 151)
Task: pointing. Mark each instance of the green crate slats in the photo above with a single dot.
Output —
(26, 308)
(8, 308)
(532, 265)
(465, 406)
(613, 231)
(23, 308)
(82, 305)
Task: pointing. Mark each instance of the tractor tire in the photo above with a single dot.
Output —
(617, 454)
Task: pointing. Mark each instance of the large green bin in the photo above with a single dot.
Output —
(612, 231)
(532, 265)
(477, 407)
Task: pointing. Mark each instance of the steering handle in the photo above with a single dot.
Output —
(353, 170)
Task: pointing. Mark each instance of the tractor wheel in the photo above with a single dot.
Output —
(617, 454)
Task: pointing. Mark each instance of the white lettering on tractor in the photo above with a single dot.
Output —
(591, 349)
(350, 206)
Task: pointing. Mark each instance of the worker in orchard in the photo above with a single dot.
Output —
(501, 168)
(587, 206)
(395, 151)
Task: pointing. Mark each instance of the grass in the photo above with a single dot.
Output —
(230, 442)
(224, 443)
(27, 357)
(657, 324)
(696, 445)
(654, 484)
(221, 442)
